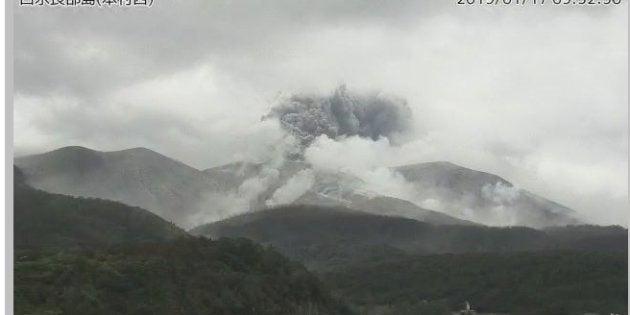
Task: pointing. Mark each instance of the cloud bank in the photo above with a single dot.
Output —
(537, 95)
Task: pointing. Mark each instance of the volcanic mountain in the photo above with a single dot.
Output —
(137, 177)
(482, 197)
(444, 193)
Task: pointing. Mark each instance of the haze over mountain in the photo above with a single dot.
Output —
(255, 90)
(482, 197)
(331, 236)
(438, 193)
(297, 182)
(51, 222)
(129, 252)
(92, 256)
(137, 177)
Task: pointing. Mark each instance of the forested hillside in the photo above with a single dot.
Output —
(45, 221)
(554, 283)
(187, 276)
(325, 237)
(90, 256)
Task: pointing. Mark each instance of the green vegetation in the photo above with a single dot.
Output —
(51, 222)
(325, 238)
(186, 276)
(396, 266)
(516, 283)
(89, 256)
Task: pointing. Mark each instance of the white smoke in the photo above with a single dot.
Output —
(355, 135)
(218, 205)
(433, 204)
(360, 158)
(253, 187)
(294, 188)
(501, 193)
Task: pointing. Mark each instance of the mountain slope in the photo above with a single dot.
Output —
(446, 193)
(482, 197)
(450, 194)
(324, 237)
(324, 188)
(181, 277)
(551, 283)
(189, 197)
(93, 256)
(138, 177)
(383, 205)
(45, 221)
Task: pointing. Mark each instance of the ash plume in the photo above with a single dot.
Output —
(343, 114)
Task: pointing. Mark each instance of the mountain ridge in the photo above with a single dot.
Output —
(138, 177)
(325, 237)
(446, 193)
(483, 197)
(46, 221)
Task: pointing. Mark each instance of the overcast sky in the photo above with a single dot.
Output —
(538, 95)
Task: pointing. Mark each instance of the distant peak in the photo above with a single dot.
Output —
(139, 152)
(233, 166)
(74, 148)
(136, 150)
(445, 167)
(442, 164)
(145, 155)
(141, 149)
(81, 149)
(70, 157)
(70, 151)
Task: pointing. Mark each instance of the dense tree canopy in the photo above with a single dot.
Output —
(186, 276)
(515, 283)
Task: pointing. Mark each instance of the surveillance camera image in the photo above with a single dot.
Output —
(293, 157)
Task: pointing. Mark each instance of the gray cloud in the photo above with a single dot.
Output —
(58, 48)
(537, 95)
(343, 114)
